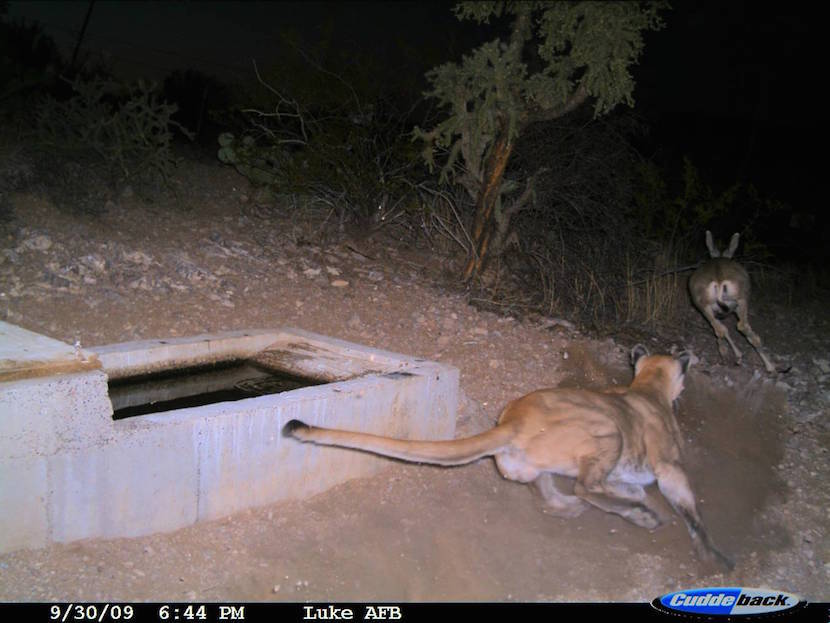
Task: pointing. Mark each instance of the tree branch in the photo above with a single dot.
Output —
(576, 98)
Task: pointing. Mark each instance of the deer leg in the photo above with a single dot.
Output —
(742, 312)
(674, 485)
(558, 503)
(592, 486)
(722, 333)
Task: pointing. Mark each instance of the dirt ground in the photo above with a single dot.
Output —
(214, 260)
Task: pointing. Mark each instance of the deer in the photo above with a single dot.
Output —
(720, 287)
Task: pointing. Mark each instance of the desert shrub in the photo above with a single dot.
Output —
(352, 154)
(198, 98)
(572, 241)
(676, 203)
(124, 130)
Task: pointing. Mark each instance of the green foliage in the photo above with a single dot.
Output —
(677, 212)
(558, 54)
(126, 128)
(663, 212)
(594, 44)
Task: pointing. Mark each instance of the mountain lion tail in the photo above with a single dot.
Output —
(452, 452)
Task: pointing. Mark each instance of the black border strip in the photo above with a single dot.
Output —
(184, 612)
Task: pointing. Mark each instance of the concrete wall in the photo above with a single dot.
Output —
(68, 471)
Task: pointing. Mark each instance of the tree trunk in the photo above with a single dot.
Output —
(484, 223)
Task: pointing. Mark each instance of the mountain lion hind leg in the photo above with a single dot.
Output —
(557, 503)
(592, 486)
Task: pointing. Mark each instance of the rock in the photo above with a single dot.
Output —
(37, 243)
(264, 196)
(11, 256)
(142, 283)
(548, 323)
(95, 262)
(138, 257)
(340, 283)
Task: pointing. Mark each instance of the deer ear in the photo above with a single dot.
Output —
(733, 245)
(637, 353)
(685, 360)
(713, 252)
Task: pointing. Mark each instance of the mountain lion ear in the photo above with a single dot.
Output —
(637, 353)
(685, 359)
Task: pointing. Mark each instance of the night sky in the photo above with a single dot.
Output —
(728, 82)
(221, 38)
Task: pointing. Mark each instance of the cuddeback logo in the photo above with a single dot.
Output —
(726, 602)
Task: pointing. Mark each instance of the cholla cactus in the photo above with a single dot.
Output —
(126, 126)
(577, 50)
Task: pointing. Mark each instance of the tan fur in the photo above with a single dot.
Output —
(611, 443)
(719, 287)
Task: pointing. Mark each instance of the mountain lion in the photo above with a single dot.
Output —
(612, 442)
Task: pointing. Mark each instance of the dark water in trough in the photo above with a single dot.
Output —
(198, 386)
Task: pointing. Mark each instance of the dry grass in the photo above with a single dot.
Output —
(657, 297)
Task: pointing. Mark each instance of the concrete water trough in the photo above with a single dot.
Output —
(69, 470)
